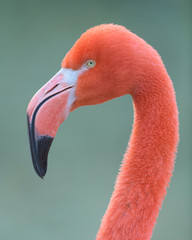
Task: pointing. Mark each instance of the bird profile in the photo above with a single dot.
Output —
(106, 62)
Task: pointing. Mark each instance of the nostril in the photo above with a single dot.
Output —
(51, 89)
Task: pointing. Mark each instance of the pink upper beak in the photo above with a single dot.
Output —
(48, 108)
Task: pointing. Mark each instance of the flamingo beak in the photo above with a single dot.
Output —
(48, 108)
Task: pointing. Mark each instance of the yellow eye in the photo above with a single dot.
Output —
(90, 64)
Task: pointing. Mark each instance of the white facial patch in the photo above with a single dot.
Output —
(70, 76)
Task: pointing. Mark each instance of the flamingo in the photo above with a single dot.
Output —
(106, 62)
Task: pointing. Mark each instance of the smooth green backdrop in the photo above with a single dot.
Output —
(87, 151)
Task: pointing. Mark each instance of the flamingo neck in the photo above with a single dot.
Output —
(147, 165)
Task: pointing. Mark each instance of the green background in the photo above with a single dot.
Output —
(87, 151)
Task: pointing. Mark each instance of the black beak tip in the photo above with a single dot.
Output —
(39, 145)
(40, 170)
(43, 145)
(40, 174)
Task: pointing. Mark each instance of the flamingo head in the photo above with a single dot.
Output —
(104, 63)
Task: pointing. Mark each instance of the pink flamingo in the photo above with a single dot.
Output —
(109, 61)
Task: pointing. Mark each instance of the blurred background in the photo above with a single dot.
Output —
(87, 151)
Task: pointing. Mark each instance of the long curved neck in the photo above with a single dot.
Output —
(147, 166)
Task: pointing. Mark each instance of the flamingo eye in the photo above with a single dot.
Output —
(90, 64)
